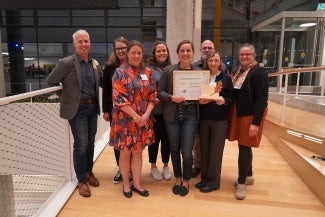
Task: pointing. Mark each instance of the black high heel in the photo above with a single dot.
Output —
(127, 194)
(143, 193)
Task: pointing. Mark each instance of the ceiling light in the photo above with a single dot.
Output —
(307, 24)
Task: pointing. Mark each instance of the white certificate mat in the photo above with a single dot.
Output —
(189, 83)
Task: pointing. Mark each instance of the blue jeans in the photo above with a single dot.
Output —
(84, 128)
(181, 133)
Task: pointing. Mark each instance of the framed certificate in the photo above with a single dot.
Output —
(189, 83)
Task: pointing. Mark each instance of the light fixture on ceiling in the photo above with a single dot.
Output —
(307, 24)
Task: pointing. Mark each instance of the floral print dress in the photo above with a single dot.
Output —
(134, 87)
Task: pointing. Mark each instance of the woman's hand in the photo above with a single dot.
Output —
(220, 100)
(177, 99)
(253, 130)
(143, 119)
(106, 116)
(204, 101)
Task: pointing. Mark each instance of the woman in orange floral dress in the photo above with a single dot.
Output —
(134, 97)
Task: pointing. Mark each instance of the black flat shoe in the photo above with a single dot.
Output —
(207, 189)
(127, 194)
(143, 193)
(184, 191)
(176, 189)
(200, 184)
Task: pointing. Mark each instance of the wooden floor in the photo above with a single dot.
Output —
(278, 191)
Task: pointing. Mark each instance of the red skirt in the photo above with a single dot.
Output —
(238, 128)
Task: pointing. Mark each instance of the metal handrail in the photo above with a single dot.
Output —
(10, 99)
(295, 70)
(286, 72)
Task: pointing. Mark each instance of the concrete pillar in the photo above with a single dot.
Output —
(183, 22)
(2, 73)
(7, 200)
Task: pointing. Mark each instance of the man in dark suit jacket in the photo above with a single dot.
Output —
(80, 77)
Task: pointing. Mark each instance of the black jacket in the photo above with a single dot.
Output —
(212, 111)
(107, 88)
(252, 98)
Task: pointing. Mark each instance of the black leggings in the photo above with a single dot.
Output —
(245, 159)
(162, 138)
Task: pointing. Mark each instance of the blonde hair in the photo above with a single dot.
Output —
(113, 57)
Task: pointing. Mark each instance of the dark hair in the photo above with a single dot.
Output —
(152, 58)
(184, 42)
(132, 44)
(209, 56)
(113, 57)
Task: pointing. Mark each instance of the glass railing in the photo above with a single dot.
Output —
(36, 170)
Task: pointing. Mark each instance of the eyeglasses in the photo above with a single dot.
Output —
(213, 61)
(120, 48)
(245, 54)
(207, 48)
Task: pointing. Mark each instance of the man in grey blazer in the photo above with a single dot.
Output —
(80, 77)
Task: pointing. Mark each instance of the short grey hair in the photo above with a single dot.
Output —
(250, 46)
(79, 31)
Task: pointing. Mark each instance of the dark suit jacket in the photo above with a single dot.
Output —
(252, 98)
(67, 72)
(165, 88)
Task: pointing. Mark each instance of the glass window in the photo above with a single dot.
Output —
(124, 12)
(88, 21)
(123, 21)
(53, 13)
(54, 21)
(88, 13)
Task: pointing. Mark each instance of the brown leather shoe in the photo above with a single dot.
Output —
(83, 189)
(92, 180)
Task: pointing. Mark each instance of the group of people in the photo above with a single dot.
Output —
(143, 110)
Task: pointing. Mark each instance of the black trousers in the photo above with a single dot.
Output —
(212, 142)
(245, 159)
(160, 137)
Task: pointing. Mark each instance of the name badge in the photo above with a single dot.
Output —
(144, 77)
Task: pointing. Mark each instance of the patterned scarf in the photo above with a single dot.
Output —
(241, 73)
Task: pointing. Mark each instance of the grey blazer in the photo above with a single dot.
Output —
(165, 89)
(67, 72)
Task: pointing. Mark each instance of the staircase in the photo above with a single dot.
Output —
(303, 152)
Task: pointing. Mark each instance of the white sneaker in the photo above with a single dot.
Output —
(240, 192)
(249, 181)
(156, 174)
(166, 174)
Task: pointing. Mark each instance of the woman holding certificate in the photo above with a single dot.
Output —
(181, 119)
(213, 124)
(251, 89)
